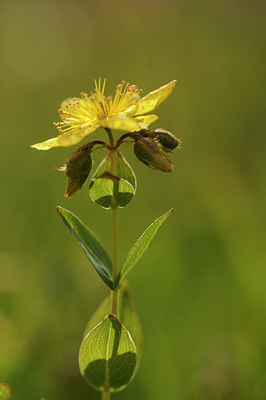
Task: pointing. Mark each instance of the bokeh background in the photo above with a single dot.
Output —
(201, 289)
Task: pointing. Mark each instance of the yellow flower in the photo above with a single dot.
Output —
(126, 112)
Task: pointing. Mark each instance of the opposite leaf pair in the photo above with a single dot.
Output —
(111, 350)
(97, 254)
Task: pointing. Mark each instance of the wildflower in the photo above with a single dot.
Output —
(126, 111)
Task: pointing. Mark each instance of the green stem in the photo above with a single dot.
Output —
(114, 212)
(114, 293)
(106, 395)
(111, 139)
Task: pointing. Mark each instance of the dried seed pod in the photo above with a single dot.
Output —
(78, 169)
(150, 152)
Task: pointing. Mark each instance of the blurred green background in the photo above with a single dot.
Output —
(200, 290)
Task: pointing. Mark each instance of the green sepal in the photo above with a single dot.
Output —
(127, 315)
(5, 393)
(141, 246)
(90, 244)
(106, 189)
(107, 357)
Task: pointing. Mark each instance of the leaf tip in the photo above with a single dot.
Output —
(59, 209)
(169, 212)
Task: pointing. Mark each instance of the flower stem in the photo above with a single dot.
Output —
(106, 395)
(114, 293)
(114, 212)
(111, 139)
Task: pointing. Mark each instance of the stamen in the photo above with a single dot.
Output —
(95, 84)
(79, 113)
(99, 84)
(104, 82)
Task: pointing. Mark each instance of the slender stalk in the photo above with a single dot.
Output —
(123, 137)
(114, 293)
(101, 143)
(111, 139)
(106, 395)
(114, 212)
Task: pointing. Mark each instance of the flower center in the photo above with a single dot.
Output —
(89, 110)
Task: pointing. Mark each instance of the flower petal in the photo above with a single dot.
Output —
(74, 136)
(145, 120)
(122, 123)
(48, 144)
(153, 99)
(65, 139)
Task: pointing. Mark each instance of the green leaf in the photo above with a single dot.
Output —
(141, 246)
(127, 315)
(129, 318)
(125, 171)
(107, 357)
(4, 391)
(106, 188)
(90, 244)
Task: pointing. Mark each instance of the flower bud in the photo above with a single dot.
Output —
(150, 152)
(167, 139)
(78, 169)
